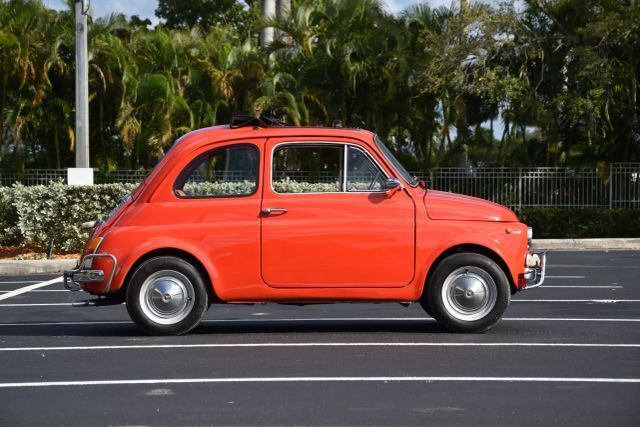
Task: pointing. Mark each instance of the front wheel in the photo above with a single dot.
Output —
(167, 296)
(467, 292)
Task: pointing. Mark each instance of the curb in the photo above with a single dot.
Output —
(587, 244)
(19, 268)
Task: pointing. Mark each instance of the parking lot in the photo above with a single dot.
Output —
(566, 353)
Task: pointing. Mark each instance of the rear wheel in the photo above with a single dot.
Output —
(468, 292)
(167, 296)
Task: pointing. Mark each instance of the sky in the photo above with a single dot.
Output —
(146, 8)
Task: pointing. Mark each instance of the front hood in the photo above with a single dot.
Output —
(451, 206)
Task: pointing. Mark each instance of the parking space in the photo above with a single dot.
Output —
(567, 352)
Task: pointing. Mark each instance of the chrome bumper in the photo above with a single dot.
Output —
(73, 278)
(535, 263)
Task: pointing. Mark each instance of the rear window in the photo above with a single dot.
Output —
(224, 172)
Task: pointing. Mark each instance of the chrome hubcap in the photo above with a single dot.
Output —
(166, 297)
(469, 293)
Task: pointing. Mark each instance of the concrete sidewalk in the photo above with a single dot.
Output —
(16, 268)
(612, 244)
(19, 268)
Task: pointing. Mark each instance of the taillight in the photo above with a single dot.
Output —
(91, 248)
(93, 245)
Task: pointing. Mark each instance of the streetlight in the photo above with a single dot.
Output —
(82, 174)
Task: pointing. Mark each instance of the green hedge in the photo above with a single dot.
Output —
(40, 214)
(579, 223)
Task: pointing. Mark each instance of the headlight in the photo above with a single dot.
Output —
(529, 234)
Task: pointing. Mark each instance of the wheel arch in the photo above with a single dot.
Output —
(470, 248)
(178, 253)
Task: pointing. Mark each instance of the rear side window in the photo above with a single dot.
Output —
(308, 168)
(224, 172)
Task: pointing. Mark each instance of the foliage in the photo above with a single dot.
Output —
(178, 14)
(219, 188)
(577, 223)
(288, 185)
(9, 231)
(41, 214)
(561, 75)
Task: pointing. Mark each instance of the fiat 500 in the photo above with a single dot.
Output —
(259, 213)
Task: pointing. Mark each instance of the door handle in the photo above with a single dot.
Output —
(269, 211)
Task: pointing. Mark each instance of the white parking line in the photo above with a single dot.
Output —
(315, 344)
(20, 281)
(592, 266)
(582, 287)
(607, 301)
(29, 288)
(332, 319)
(564, 277)
(41, 290)
(317, 379)
(99, 322)
(32, 305)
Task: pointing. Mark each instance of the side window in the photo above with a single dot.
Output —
(224, 172)
(362, 173)
(308, 168)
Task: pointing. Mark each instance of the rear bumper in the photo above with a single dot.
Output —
(83, 273)
(535, 264)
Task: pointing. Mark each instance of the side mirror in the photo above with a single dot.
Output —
(392, 185)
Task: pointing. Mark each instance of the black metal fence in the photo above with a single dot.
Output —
(618, 187)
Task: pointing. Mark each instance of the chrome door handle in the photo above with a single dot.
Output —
(268, 211)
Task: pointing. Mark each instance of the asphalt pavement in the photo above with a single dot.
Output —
(566, 353)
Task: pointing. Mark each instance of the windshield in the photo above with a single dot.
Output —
(412, 180)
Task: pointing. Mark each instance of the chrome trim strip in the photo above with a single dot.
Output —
(345, 167)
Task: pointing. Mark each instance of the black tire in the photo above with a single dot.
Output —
(467, 292)
(167, 296)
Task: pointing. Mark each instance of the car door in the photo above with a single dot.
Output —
(214, 206)
(328, 222)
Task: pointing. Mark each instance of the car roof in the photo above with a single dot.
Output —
(222, 133)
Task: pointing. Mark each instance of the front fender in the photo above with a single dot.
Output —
(508, 242)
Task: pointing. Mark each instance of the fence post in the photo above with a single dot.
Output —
(520, 189)
(611, 186)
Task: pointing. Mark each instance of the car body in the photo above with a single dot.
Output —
(301, 215)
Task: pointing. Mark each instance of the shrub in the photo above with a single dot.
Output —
(40, 214)
(288, 185)
(9, 231)
(578, 223)
(219, 188)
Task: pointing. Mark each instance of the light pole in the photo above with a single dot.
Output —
(82, 174)
(268, 10)
(272, 9)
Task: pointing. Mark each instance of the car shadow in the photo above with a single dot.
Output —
(232, 327)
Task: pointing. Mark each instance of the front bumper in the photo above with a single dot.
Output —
(535, 264)
(80, 274)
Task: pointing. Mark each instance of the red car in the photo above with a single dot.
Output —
(266, 213)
